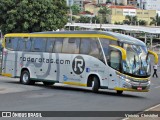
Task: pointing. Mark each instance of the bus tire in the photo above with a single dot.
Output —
(48, 83)
(25, 78)
(95, 84)
(119, 92)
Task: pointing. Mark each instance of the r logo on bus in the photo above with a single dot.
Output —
(78, 65)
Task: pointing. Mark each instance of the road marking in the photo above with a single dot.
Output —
(152, 107)
(144, 111)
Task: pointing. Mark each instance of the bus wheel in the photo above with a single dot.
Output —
(48, 83)
(25, 78)
(119, 92)
(95, 84)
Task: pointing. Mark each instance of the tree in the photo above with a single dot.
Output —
(95, 19)
(75, 9)
(155, 20)
(142, 22)
(104, 11)
(32, 15)
(130, 20)
(84, 19)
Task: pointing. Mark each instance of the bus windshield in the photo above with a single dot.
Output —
(137, 61)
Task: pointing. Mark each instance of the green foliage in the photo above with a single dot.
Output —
(95, 20)
(32, 15)
(85, 19)
(131, 20)
(155, 21)
(75, 9)
(142, 22)
(118, 23)
(104, 11)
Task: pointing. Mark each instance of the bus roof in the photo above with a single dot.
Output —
(100, 34)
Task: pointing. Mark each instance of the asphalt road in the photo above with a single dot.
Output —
(17, 97)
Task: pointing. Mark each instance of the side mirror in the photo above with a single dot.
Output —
(155, 56)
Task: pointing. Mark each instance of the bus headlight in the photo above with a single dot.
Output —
(127, 80)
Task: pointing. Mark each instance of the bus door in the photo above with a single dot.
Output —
(114, 63)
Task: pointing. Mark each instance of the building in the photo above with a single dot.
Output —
(79, 3)
(132, 2)
(149, 4)
(118, 13)
(146, 15)
(123, 2)
(76, 2)
(91, 7)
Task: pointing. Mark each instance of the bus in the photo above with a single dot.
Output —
(96, 59)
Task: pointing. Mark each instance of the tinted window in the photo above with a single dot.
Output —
(21, 44)
(85, 46)
(38, 44)
(105, 46)
(115, 58)
(95, 48)
(12, 43)
(15, 43)
(58, 45)
(24, 44)
(8, 43)
(28, 44)
(71, 45)
(50, 44)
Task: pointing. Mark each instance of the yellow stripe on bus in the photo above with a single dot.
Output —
(61, 35)
(129, 89)
(123, 51)
(75, 83)
(6, 74)
(133, 77)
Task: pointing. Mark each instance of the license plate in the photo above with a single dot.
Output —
(139, 88)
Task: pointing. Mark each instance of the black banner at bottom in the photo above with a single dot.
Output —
(127, 114)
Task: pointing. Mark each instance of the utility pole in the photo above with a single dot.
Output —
(70, 4)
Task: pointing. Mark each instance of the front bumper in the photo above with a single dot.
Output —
(139, 86)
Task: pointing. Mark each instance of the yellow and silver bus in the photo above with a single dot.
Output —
(96, 59)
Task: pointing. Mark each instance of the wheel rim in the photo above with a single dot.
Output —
(25, 77)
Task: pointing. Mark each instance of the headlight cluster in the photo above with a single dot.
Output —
(130, 79)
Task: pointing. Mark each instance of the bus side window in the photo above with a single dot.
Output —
(85, 46)
(58, 45)
(15, 44)
(12, 43)
(115, 58)
(28, 44)
(71, 45)
(8, 43)
(21, 44)
(94, 51)
(105, 47)
(50, 44)
(38, 44)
